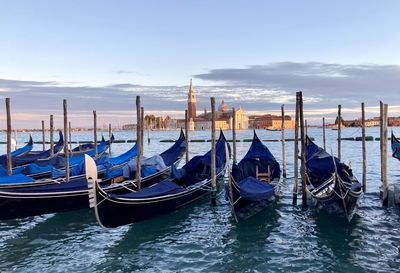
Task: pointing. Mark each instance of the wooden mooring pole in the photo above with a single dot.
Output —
(70, 137)
(296, 152)
(51, 135)
(186, 135)
(43, 137)
(9, 159)
(306, 127)
(303, 152)
(139, 143)
(142, 130)
(364, 153)
(384, 138)
(283, 141)
(324, 132)
(234, 133)
(66, 140)
(109, 138)
(339, 138)
(148, 131)
(213, 154)
(95, 134)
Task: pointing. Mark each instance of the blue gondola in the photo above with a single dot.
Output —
(395, 143)
(23, 150)
(33, 156)
(55, 195)
(184, 186)
(330, 183)
(254, 178)
(89, 147)
(54, 167)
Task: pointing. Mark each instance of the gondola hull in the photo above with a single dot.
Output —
(333, 203)
(32, 201)
(112, 213)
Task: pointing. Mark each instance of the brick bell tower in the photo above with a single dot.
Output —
(191, 102)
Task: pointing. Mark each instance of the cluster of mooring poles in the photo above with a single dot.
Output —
(300, 127)
(66, 132)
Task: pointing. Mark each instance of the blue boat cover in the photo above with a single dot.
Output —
(319, 163)
(159, 189)
(73, 185)
(36, 155)
(18, 152)
(90, 146)
(258, 154)
(254, 190)
(27, 148)
(15, 179)
(170, 156)
(34, 168)
(125, 157)
(395, 147)
(199, 167)
(3, 171)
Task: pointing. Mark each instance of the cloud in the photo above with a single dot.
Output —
(328, 84)
(258, 89)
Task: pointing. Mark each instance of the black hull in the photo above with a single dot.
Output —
(115, 212)
(334, 204)
(20, 204)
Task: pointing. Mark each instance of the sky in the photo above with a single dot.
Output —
(255, 54)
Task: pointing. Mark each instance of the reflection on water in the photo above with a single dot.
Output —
(205, 238)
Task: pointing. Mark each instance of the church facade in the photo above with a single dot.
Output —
(224, 115)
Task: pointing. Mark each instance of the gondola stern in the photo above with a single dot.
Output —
(91, 177)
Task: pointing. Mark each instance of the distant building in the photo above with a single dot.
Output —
(191, 102)
(394, 121)
(269, 121)
(224, 116)
(128, 127)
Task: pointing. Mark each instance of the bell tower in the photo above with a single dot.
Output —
(191, 101)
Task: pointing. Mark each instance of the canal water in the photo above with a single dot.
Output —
(205, 238)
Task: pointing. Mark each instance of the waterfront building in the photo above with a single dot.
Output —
(269, 121)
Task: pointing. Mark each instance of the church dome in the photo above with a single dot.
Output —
(223, 107)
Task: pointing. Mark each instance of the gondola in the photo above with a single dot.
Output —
(395, 143)
(331, 183)
(253, 180)
(54, 167)
(89, 147)
(184, 186)
(56, 195)
(20, 151)
(33, 156)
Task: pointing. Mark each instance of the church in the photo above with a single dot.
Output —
(224, 115)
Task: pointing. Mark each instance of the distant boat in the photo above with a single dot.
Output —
(273, 129)
(330, 182)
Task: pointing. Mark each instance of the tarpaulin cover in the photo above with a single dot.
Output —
(175, 151)
(36, 155)
(258, 154)
(159, 189)
(124, 157)
(319, 163)
(15, 179)
(149, 165)
(254, 190)
(17, 152)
